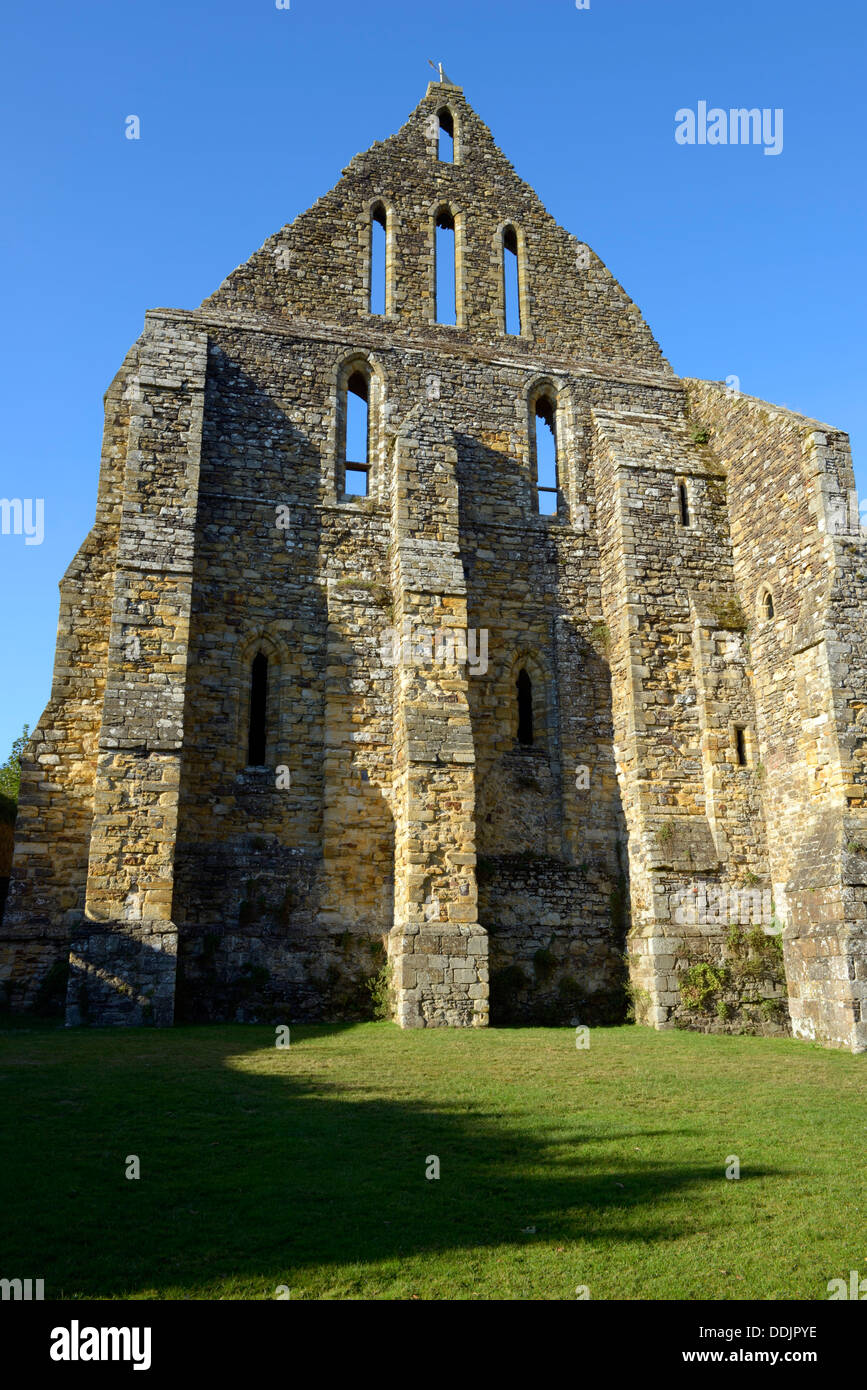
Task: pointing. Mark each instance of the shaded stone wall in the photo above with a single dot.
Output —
(810, 675)
(557, 936)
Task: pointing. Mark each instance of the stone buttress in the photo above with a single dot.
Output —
(438, 951)
(123, 952)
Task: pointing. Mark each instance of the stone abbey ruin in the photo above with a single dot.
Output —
(547, 701)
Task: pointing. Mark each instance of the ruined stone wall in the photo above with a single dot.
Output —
(126, 933)
(317, 267)
(554, 807)
(810, 672)
(681, 686)
(55, 805)
(557, 937)
(532, 589)
(398, 838)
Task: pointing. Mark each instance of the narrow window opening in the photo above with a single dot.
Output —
(683, 499)
(258, 730)
(446, 139)
(768, 604)
(741, 745)
(446, 284)
(546, 457)
(357, 451)
(378, 253)
(511, 281)
(525, 708)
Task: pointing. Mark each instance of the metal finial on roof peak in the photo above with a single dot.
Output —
(443, 77)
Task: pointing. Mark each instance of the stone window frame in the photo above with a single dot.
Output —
(749, 745)
(682, 480)
(365, 237)
(458, 216)
(457, 138)
(499, 260)
(561, 396)
(261, 640)
(529, 660)
(766, 619)
(334, 483)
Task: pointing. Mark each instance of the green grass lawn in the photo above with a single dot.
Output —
(305, 1166)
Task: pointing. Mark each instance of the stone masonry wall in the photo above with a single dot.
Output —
(692, 770)
(55, 805)
(682, 685)
(810, 673)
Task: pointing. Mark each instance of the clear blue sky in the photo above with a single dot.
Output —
(742, 263)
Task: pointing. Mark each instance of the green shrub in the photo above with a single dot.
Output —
(700, 983)
(380, 990)
(10, 771)
(638, 1001)
(774, 1010)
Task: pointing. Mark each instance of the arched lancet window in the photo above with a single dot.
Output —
(767, 605)
(445, 136)
(525, 708)
(378, 259)
(257, 738)
(511, 283)
(356, 439)
(545, 439)
(741, 756)
(683, 504)
(446, 268)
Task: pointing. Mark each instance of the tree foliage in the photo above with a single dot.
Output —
(10, 771)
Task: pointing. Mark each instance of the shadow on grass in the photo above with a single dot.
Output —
(258, 1177)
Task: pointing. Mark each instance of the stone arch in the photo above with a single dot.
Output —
(447, 120)
(369, 364)
(545, 391)
(684, 503)
(442, 208)
(262, 641)
(766, 604)
(518, 806)
(528, 662)
(498, 259)
(379, 209)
